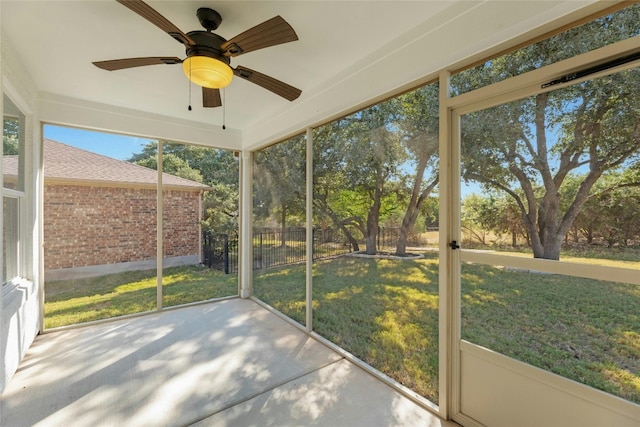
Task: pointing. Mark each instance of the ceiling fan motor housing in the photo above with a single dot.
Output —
(207, 44)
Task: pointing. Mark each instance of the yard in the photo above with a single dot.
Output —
(83, 300)
(386, 313)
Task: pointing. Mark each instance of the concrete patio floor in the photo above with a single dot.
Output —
(227, 363)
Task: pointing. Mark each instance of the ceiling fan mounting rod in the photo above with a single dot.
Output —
(209, 18)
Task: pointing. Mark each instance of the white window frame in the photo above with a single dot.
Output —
(21, 196)
(9, 283)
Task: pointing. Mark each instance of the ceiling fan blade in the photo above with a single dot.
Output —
(269, 33)
(151, 15)
(211, 97)
(120, 64)
(276, 86)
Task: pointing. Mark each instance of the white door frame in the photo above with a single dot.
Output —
(474, 378)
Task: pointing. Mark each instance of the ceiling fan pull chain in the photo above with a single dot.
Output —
(224, 108)
(190, 87)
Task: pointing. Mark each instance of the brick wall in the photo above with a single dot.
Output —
(85, 226)
(181, 219)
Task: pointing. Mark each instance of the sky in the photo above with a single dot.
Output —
(119, 147)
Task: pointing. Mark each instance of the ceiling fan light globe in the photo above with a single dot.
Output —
(207, 72)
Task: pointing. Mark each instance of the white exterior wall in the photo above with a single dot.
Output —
(20, 308)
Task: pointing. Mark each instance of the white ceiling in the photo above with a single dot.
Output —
(349, 52)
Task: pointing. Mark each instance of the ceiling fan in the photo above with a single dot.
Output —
(208, 55)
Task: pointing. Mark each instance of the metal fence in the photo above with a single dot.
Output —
(220, 251)
(274, 247)
(387, 238)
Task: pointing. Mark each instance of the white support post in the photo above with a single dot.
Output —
(159, 231)
(245, 273)
(200, 217)
(2, 278)
(38, 217)
(309, 187)
(444, 309)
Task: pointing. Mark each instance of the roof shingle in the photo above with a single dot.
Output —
(64, 163)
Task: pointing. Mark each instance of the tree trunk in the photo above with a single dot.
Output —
(401, 244)
(550, 236)
(371, 239)
(373, 217)
(283, 225)
(411, 215)
(552, 248)
(338, 223)
(353, 221)
(353, 242)
(546, 238)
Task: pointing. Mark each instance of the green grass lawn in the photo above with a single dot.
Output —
(386, 313)
(69, 302)
(586, 330)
